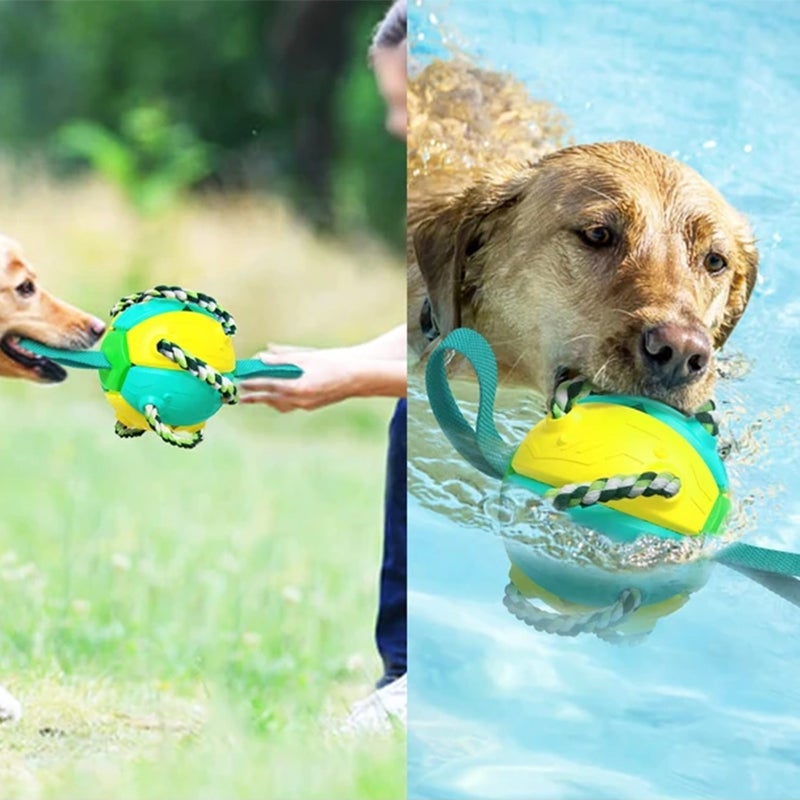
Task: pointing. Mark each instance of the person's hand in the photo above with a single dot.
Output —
(326, 379)
(329, 375)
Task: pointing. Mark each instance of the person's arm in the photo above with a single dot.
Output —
(390, 345)
(373, 369)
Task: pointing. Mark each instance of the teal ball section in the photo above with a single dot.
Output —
(180, 397)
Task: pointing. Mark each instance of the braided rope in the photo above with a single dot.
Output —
(185, 296)
(227, 389)
(567, 394)
(123, 431)
(185, 439)
(617, 487)
(707, 418)
(599, 621)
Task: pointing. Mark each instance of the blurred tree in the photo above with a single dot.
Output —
(277, 96)
(151, 161)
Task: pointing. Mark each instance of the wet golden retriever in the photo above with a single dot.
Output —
(27, 310)
(610, 260)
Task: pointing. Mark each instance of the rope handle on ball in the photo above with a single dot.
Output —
(569, 393)
(169, 434)
(617, 487)
(566, 395)
(600, 621)
(201, 370)
(200, 299)
(178, 438)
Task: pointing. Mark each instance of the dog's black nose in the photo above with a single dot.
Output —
(676, 354)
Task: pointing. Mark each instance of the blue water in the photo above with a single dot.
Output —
(708, 704)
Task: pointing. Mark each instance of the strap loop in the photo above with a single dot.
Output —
(481, 446)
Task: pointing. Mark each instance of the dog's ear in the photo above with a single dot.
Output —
(447, 243)
(742, 285)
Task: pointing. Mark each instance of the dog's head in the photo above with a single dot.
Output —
(28, 311)
(608, 260)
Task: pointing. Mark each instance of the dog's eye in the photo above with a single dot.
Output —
(26, 288)
(597, 236)
(714, 263)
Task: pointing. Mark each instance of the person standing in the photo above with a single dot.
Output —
(371, 369)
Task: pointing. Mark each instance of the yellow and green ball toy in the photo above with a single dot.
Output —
(167, 363)
(619, 464)
(626, 466)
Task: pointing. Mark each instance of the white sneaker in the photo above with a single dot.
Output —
(10, 707)
(381, 712)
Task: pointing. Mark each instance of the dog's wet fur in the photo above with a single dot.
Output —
(610, 261)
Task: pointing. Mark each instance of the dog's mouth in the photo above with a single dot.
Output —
(564, 373)
(684, 398)
(39, 367)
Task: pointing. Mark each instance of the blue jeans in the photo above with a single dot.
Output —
(390, 630)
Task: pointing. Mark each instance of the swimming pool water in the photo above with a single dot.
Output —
(708, 704)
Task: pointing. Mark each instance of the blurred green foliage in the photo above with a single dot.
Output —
(221, 94)
(152, 160)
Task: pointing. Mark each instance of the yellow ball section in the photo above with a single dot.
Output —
(598, 440)
(197, 333)
(131, 418)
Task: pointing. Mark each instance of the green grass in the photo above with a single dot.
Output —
(180, 624)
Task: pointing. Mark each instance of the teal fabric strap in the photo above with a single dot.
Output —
(80, 359)
(96, 359)
(761, 559)
(255, 368)
(481, 446)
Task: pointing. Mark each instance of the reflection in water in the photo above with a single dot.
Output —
(618, 606)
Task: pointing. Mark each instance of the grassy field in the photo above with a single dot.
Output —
(180, 624)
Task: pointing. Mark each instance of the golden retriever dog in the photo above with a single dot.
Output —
(610, 261)
(27, 310)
